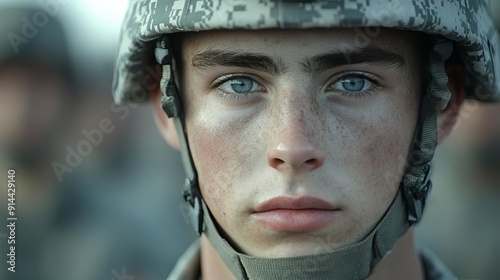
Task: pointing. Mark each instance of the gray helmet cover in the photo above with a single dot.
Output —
(466, 22)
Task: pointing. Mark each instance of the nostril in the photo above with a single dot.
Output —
(311, 161)
(314, 162)
(276, 162)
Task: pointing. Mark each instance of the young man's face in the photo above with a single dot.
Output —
(308, 118)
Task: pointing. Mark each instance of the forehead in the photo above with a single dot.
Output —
(301, 41)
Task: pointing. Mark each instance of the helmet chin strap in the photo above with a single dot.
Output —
(354, 261)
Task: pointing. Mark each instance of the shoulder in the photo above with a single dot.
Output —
(188, 265)
(434, 269)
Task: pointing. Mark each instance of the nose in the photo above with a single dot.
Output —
(294, 147)
(295, 152)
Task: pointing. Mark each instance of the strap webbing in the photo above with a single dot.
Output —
(185, 155)
(416, 182)
(351, 262)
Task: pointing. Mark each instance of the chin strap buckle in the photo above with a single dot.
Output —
(191, 195)
(170, 99)
(170, 102)
(416, 191)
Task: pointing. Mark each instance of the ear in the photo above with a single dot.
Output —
(164, 123)
(456, 84)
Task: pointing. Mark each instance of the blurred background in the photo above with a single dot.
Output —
(98, 190)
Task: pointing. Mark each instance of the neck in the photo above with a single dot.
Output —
(212, 266)
(402, 263)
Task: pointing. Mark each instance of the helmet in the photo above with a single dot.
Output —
(467, 23)
(459, 27)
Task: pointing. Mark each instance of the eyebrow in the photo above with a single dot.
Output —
(255, 61)
(370, 54)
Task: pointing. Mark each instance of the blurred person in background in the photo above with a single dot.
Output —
(37, 93)
(112, 210)
(462, 215)
(104, 219)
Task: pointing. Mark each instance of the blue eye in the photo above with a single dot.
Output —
(351, 84)
(354, 84)
(240, 85)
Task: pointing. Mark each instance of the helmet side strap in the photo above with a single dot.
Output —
(172, 105)
(416, 183)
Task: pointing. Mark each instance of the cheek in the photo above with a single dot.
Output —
(223, 155)
(386, 149)
(375, 153)
(210, 152)
(387, 153)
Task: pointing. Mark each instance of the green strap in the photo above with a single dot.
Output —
(184, 146)
(171, 104)
(435, 99)
(351, 262)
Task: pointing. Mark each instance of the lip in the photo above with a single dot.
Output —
(301, 214)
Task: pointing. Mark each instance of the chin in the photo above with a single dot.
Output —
(311, 246)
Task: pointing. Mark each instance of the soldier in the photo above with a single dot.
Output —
(307, 128)
(37, 98)
(36, 83)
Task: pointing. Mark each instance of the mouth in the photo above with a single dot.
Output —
(303, 214)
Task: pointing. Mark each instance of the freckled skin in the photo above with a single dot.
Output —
(245, 150)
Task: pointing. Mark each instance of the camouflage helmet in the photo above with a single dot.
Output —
(466, 22)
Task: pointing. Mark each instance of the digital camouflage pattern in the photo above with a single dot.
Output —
(467, 22)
